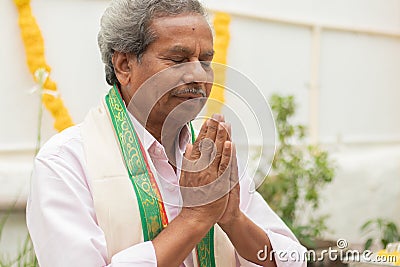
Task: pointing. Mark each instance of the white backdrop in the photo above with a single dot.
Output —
(358, 84)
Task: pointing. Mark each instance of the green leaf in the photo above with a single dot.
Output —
(368, 244)
(365, 226)
(301, 172)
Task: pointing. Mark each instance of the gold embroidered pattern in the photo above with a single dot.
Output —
(147, 195)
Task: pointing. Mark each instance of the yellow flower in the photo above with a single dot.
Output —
(21, 2)
(34, 48)
(221, 45)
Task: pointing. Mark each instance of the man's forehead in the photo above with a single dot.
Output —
(187, 21)
(182, 34)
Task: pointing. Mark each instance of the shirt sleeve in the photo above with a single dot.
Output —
(60, 214)
(287, 250)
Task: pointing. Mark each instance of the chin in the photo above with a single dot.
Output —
(186, 110)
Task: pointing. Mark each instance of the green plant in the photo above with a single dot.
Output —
(380, 231)
(299, 171)
(26, 256)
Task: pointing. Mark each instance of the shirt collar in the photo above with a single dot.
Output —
(147, 139)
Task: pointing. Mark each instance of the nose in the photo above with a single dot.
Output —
(195, 72)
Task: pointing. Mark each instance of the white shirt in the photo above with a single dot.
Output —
(62, 222)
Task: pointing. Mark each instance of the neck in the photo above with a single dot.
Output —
(167, 137)
(125, 95)
(154, 130)
(164, 134)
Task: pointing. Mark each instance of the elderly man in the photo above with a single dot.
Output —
(126, 187)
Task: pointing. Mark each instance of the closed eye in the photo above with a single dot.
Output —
(206, 63)
(178, 61)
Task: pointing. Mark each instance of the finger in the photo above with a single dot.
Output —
(229, 130)
(207, 145)
(212, 126)
(196, 146)
(188, 151)
(225, 158)
(220, 139)
(187, 159)
(221, 117)
(234, 177)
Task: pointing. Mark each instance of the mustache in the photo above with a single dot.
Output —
(189, 90)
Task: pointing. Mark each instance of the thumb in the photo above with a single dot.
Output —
(188, 151)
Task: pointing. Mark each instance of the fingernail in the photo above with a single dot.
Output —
(227, 144)
(217, 117)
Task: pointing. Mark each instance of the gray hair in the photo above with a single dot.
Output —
(125, 26)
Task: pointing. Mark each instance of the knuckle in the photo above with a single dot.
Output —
(223, 165)
(218, 155)
(227, 153)
(197, 143)
(221, 134)
(212, 127)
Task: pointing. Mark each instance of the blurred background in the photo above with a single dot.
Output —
(340, 60)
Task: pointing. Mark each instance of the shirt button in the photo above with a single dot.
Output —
(172, 187)
(158, 151)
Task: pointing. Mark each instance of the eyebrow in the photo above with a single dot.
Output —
(188, 51)
(180, 49)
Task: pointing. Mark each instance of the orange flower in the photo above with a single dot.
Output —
(34, 48)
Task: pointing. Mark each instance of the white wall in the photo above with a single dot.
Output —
(70, 30)
(358, 85)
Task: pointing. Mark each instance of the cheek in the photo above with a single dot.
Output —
(164, 103)
(210, 81)
(167, 80)
(208, 89)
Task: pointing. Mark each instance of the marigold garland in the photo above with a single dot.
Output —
(221, 43)
(34, 48)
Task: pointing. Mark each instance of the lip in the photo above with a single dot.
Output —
(189, 92)
(189, 96)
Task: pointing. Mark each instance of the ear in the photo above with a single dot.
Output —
(122, 66)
